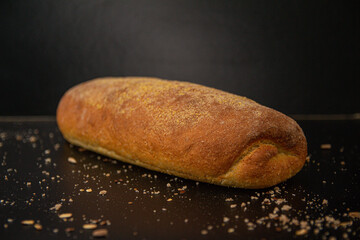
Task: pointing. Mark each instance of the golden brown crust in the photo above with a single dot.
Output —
(183, 129)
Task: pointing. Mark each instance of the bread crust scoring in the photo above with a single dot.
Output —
(183, 129)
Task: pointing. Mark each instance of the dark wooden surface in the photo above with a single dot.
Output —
(142, 204)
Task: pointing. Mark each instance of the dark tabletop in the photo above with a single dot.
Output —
(39, 183)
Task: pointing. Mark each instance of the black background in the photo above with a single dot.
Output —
(299, 57)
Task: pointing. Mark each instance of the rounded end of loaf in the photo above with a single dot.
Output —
(269, 161)
(264, 167)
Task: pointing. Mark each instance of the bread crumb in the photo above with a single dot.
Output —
(231, 230)
(69, 229)
(56, 207)
(301, 232)
(286, 208)
(32, 139)
(325, 146)
(354, 214)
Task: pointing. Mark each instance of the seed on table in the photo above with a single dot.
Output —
(102, 192)
(65, 215)
(89, 226)
(100, 233)
(72, 160)
(38, 227)
(27, 222)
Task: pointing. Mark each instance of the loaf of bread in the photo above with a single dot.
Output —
(183, 129)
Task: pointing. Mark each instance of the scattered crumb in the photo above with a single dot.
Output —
(69, 229)
(56, 207)
(346, 224)
(81, 149)
(57, 146)
(301, 232)
(354, 214)
(32, 139)
(325, 146)
(286, 208)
